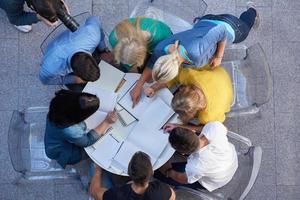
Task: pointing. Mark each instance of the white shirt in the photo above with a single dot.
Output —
(215, 164)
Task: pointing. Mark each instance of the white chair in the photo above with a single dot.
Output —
(27, 150)
(251, 78)
(249, 158)
(160, 11)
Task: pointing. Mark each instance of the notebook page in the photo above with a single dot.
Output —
(110, 78)
(125, 154)
(106, 150)
(138, 110)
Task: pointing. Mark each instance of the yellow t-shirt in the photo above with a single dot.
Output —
(216, 86)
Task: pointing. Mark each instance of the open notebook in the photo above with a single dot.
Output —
(147, 135)
(110, 78)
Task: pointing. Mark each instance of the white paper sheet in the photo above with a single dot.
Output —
(107, 148)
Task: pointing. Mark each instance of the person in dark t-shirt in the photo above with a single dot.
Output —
(140, 188)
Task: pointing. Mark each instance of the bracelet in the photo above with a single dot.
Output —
(218, 56)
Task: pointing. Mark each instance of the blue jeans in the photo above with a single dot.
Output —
(241, 26)
(178, 167)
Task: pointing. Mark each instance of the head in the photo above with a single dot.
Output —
(184, 140)
(166, 67)
(85, 66)
(140, 169)
(188, 102)
(46, 8)
(131, 48)
(68, 107)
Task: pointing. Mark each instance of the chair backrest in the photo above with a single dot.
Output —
(249, 158)
(177, 17)
(26, 146)
(80, 18)
(251, 77)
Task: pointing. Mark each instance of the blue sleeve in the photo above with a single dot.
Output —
(76, 135)
(95, 28)
(219, 33)
(158, 52)
(49, 72)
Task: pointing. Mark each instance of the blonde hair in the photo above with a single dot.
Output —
(166, 67)
(187, 102)
(132, 44)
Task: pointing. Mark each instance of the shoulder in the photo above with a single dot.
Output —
(159, 189)
(212, 129)
(117, 192)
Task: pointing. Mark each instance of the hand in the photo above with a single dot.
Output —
(215, 61)
(107, 57)
(47, 22)
(165, 167)
(135, 94)
(169, 127)
(111, 117)
(149, 92)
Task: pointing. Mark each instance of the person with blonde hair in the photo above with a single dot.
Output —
(204, 94)
(134, 39)
(203, 44)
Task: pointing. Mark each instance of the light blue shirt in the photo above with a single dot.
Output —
(56, 62)
(200, 42)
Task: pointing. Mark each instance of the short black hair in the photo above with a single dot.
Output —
(69, 107)
(85, 66)
(184, 140)
(140, 168)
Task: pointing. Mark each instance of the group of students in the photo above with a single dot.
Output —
(190, 59)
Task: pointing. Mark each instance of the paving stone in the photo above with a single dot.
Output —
(286, 4)
(288, 192)
(6, 29)
(286, 27)
(5, 117)
(7, 172)
(260, 191)
(221, 7)
(258, 3)
(8, 192)
(32, 93)
(37, 190)
(69, 191)
(9, 56)
(9, 91)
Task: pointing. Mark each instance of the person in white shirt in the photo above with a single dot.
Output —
(212, 159)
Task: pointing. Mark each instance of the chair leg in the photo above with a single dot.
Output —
(17, 180)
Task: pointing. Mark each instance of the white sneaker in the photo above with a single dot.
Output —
(251, 4)
(24, 28)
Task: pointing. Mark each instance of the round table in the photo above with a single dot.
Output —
(166, 153)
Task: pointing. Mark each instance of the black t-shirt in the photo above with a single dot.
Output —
(156, 190)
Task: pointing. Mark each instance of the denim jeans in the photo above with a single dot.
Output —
(178, 167)
(241, 26)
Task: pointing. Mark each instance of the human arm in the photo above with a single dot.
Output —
(82, 139)
(167, 170)
(150, 91)
(173, 195)
(217, 58)
(135, 93)
(96, 189)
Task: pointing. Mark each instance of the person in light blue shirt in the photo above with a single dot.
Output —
(66, 133)
(68, 58)
(203, 44)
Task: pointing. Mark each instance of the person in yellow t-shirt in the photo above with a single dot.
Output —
(204, 93)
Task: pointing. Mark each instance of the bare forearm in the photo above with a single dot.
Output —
(100, 129)
(220, 49)
(146, 76)
(96, 189)
(178, 176)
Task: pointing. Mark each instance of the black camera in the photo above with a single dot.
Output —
(67, 19)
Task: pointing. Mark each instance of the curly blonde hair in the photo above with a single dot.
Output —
(131, 47)
(187, 102)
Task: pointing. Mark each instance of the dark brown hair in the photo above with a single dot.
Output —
(85, 66)
(140, 168)
(184, 140)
